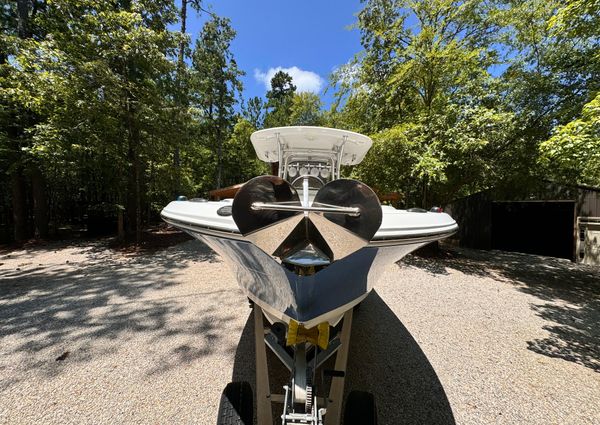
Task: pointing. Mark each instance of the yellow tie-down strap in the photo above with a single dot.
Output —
(317, 335)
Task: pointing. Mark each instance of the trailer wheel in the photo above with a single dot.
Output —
(236, 406)
(360, 409)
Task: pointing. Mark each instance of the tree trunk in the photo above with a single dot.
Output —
(131, 196)
(182, 32)
(219, 160)
(425, 194)
(120, 226)
(40, 202)
(23, 19)
(221, 125)
(180, 96)
(17, 181)
(134, 190)
(18, 206)
(138, 201)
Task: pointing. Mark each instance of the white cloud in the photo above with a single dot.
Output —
(303, 80)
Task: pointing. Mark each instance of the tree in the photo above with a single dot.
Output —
(433, 66)
(286, 107)
(101, 87)
(433, 79)
(181, 95)
(215, 83)
(97, 96)
(279, 100)
(550, 75)
(254, 111)
(572, 154)
(576, 18)
(239, 155)
(281, 88)
(20, 30)
(389, 164)
(306, 109)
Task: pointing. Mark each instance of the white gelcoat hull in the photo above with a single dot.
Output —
(326, 295)
(309, 300)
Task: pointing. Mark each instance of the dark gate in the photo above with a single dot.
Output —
(534, 227)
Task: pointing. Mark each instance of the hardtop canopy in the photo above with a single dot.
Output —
(269, 143)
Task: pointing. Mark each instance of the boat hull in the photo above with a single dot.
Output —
(309, 300)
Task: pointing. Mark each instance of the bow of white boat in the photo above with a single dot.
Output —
(396, 225)
(402, 224)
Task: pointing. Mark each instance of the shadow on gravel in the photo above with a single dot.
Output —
(384, 359)
(72, 307)
(569, 295)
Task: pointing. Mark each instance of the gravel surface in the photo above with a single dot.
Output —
(91, 336)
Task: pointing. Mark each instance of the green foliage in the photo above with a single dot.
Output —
(429, 71)
(94, 95)
(577, 18)
(573, 152)
(399, 148)
(241, 160)
(450, 154)
(215, 84)
(286, 107)
(306, 109)
(254, 111)
(279, 100)
(105, 103)
(433, 79)
(281, 89)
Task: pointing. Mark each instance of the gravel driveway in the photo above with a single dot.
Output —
(90, 336)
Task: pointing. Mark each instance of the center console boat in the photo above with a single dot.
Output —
(306, 247)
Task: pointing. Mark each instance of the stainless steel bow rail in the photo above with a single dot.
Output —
(322, 208)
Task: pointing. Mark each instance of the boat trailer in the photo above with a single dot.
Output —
(303, 352)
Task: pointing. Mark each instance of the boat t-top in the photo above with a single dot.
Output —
(306, 247)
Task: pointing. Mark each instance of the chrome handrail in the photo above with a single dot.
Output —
(323, 208)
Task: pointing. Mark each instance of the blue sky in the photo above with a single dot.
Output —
(309, 38)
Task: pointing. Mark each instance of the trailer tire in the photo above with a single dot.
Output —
(360, 409)
(236, 406)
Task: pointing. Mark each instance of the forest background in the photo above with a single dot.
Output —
(108, 105)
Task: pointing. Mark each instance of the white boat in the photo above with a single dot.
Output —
(306, 247)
